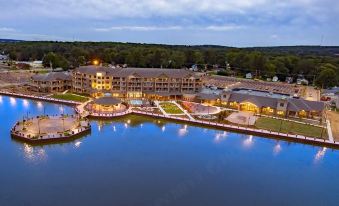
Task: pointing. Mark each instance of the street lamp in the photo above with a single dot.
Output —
(95, 62)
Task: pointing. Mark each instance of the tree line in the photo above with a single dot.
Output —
(317, 64)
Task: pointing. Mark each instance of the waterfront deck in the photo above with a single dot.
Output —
(50, 128)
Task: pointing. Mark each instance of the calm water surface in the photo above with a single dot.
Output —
(146, 162)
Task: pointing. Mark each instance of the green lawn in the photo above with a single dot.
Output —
(70, 97)
(289, 127)
(171, 108)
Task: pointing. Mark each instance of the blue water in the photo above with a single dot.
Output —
(142, 161)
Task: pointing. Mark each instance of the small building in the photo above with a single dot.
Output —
(289, 80)
(275, 79)
(248, 76)
(3, 57)
(302, 81)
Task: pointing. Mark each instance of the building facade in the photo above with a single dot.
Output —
(135, 82)
(267, 105)
(51, 82)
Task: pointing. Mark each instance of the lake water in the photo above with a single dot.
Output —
(145, 162)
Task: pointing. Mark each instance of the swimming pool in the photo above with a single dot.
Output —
(135, 102)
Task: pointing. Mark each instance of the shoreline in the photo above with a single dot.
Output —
(227, 127)
(46, 99)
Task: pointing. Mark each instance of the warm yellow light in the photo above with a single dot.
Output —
(95, 62)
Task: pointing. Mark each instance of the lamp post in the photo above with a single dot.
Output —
(39, 125)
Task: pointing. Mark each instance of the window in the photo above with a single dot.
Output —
(282, 104)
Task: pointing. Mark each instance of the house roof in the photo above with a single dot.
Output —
(206, 96)
(107, 101)
(52, 76)
(292, 103)
(301, 104)
(260, 101)
(140, 72)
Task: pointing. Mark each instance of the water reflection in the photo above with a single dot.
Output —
(40, 106)
(320, 154)
(12, 101)
(77, 144)
(61, 109)
(248, 142)
(220, 136)
(114, 128)
(0, 99)
(163, 128)
(277, 149)
(25, 103)
(182, 131)
(34, 154)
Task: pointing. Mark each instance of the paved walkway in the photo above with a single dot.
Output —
(333, 118)
(81, 109)
(243, 118)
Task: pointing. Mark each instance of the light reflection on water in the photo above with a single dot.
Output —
(277, 149)
(34, 154)
(25, 103)
(220, 136)
(248, 142)
(12, 101)
(77, 144)
(320, 154)
(182, 131)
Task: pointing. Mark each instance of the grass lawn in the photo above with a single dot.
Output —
(289, 127)
(171, 108)
(70, 97)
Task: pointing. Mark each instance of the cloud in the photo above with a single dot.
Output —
(168, 28)
(232, 22)
(138, 28)
(106, 9)
(7, 29)
(224, 27)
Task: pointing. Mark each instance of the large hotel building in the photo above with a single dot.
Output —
(135, 82)
(164, 84)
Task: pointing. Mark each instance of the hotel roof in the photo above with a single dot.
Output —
(138, 72)
(52, 76)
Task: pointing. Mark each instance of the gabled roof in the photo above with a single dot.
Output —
(52, 76)
(260, 101)
(142, 72)
(301, 104)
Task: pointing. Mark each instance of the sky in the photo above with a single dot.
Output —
(239, 23)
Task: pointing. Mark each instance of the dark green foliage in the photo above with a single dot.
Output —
(263, 62)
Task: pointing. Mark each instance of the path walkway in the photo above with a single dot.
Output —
(81, 109)
(243, 118)
(184, 110)
(333, 118)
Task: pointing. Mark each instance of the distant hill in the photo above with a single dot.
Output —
(10, 40)
(275, 50)
(299, 50)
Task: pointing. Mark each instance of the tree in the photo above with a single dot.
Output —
(328, 76)
(54, 60)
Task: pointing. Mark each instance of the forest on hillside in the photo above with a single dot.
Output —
(317, 64)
